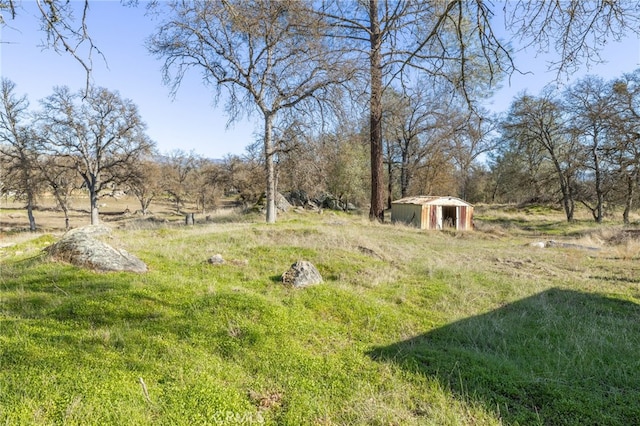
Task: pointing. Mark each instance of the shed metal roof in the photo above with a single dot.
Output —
(432, 200)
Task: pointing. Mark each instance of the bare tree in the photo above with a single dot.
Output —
(539, 122)
(301, 167)
(208, 184)
(100, 135)
(244, 176)
(590, 109)
(625, 136)
(587, 138)
(470, 139)
(405, 120)
(265, 54)
(419, 126)
(178, 171)
(19, 153)
(145, 182)
(62, 179)
(520, 171)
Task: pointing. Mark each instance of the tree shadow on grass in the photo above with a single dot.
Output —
(557, 358)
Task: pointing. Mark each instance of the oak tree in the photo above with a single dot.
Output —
(19, 154)
(99, 133)
(267, 56)
(625, 136)
(538, 124)
(589, 106)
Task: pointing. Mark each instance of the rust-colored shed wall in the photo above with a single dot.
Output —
(427, 212)
(465, 218)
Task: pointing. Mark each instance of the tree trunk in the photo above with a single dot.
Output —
(464, 186)
(628, 202)
(567, 200)
(377, 167)
(144, 204)
(32, 219)
(64, 205)
(565, 187)
(598, 216)
(95, 218)
(65, 210)
(390, 181)
(271, 175)
(203, 201)
(494, 192)
(404, 174)
(189, 219)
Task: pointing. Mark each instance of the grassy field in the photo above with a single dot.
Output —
(423, 328)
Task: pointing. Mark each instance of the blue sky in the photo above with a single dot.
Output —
(190, 121)
(618, 58)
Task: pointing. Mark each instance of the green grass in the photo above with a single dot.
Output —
(448, 328)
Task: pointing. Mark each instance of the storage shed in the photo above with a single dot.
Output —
(429, 212)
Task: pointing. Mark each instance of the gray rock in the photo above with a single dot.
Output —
(216, 259)
(556, 244)
(298, 198)
(331, 202)
(281, 202)
(302, 274)
(80, 247)
(91, 230)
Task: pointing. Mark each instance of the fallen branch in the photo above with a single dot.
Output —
(144, 390)
(556, 244)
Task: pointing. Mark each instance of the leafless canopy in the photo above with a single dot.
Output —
(99, 133)
(66, 33)
(18, 152)
(267, 55)
(577, 30)
(448, 40)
